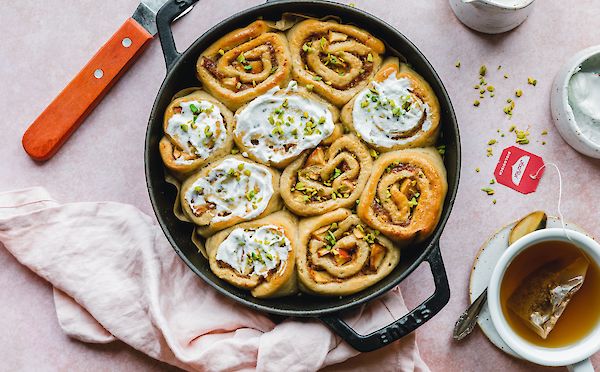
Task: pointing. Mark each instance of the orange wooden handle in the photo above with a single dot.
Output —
(68, 110)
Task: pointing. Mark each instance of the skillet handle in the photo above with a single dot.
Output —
(407, 323)
(165, 16)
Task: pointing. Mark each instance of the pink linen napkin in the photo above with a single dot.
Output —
(115, 276)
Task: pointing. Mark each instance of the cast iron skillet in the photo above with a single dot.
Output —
(181, 73)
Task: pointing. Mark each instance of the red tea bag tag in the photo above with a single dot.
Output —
(520, 170)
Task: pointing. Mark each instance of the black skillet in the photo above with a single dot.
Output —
(181, 74)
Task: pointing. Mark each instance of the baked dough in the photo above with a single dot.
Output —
(275, 128)
(397, 110)
(263, 251)
(328, 178)
(198, 129)
(245, 63)
(335, 60)
(228, 191)
(405, 194)
(339, 255)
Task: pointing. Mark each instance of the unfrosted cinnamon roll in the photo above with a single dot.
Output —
(244, 64)
(328, 178)
(258, 255)
(198, 129)
(229, 191)
(398, 110)
(276, 127)
(335, 60)
(339, 255)
(405, 194)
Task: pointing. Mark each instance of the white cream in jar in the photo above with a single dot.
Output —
(584, 99)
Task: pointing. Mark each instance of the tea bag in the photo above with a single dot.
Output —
(546, 292)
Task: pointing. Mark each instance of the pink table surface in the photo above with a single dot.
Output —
(44, 43)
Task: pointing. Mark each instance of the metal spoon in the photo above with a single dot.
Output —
(466, 321)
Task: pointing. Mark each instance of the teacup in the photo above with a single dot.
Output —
(575, 355)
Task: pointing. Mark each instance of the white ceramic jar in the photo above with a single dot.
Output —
(562, 112)
(492, 16)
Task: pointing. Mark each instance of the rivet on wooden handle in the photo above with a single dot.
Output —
(68, 110)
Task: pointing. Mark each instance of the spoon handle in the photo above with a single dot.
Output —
(467, 320)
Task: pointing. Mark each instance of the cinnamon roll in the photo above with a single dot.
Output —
(229, 191)
(258, 255)
(328, 178)
(276, 127)
(405, 194)
(339, 255)
(244, 64)
(335, 60)
(398, 110)
(198, 129)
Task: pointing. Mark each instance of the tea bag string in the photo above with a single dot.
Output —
(560, 215)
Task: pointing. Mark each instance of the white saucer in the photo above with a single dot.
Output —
(481, 273)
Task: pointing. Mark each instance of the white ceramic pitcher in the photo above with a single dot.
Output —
(492, 16)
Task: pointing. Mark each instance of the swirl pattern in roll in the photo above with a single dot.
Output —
(229, 191)
(405, 194)
(198, 129)
(339, 255)
(258, 255)
(276, 127)
(335, 60)
(398, 110)
(245, 63)
(328, 178)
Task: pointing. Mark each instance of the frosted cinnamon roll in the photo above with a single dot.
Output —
(405, 194)
(398, 110)
(258, 255)
(339, 255)
(244, 64)
(276, 127)
(328, 178)
(335, 60)
(198, 129)
(229, 191)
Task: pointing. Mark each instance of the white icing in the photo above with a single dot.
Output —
(278, 124)
(201, 136)
(233, 188)
(584, 99)
(384, 118)
(255, 251)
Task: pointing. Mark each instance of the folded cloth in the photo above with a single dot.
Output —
(115, 276)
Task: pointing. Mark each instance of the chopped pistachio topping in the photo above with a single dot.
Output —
(477, 170)
(374, 154)
(490, 88)
(522, 136)
(482, 70)
(369, 57)
(488, 190)
(476, 103)
(531, 81)
(441, 149)
(494, 201)
(457, 64)
(544, 132)
(310, 87)
(221, 52)
(518, 93)
(491, 142)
